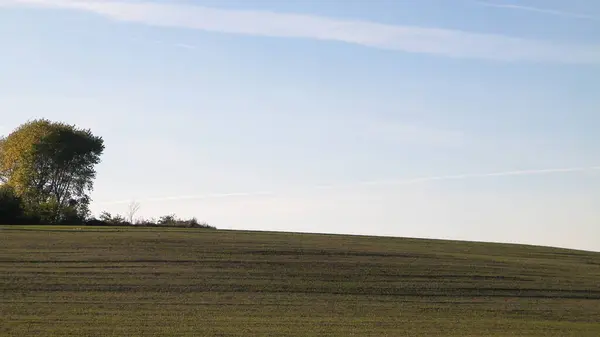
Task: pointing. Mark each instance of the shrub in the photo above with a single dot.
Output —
(11, 206)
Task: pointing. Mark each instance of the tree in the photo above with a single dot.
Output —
(112, 220)
(50, 166)
(132, 209)
(106, 217)
(170, 219)
(3, 173)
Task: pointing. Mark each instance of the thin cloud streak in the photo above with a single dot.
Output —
(539, 10)
(368, 183)
(411, 39)
(191, 197)
(482, 175)
(160, 42)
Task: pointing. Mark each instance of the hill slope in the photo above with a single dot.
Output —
(148, 282)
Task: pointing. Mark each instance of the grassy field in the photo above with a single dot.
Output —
(63, 281)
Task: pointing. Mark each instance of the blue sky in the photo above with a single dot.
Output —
(323, 116)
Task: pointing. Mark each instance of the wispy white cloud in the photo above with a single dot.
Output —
(185, 46)
(412, 39)
(191, 197)
(418, 180)
(539, 10)
(165, 43)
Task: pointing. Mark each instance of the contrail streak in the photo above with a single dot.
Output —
(539, 10)
(481, 175)
(370, 183)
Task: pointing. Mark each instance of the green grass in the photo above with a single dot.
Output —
(82, 281)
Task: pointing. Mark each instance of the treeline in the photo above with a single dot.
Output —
(47, 171)
(13, 211)
(107, 219)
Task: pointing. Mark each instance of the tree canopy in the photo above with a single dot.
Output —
(50, 166)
